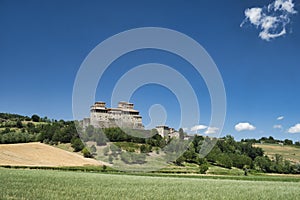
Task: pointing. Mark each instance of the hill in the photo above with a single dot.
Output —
(288, 152)
(39, 154)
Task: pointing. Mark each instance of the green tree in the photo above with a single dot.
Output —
(77, 144)
(35, 118)
(224, 160)
(203, 168)
(19, 124)
(93, 149)
(179, 160)
(181, 134)
(86, 153)
(110, 159)
(89, 131)
(263, 163)
(106, 151)
(287, 142)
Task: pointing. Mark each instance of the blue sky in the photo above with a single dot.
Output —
(43, 43)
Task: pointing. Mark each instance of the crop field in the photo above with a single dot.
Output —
(288, 152)
(39, 154)
(46, 184)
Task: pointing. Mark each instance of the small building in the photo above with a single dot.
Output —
(166, 132)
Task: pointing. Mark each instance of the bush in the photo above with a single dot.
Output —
(133, 158)
(86, 153)
(145, 148)
(203, 168)
(19, 124)
(224, 160)
(35, 118)
(110, 159)
(77, 144)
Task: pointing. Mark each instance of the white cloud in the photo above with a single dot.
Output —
(294, 129)
(272, 19)
(244, 126)
(284, 5)
(254, 15)
(277, 126)
(198, 127)
(211, 130)
(185, 129)
(280, 118)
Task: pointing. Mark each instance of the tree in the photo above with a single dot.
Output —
(224, 160)
(77, 144)
(6, 130)
(93, 149)
(145, 148)
(19, 124)
(86, 153)
(110, 159)
(106, 151)
(99, 137)
(30, 127)
(203, 168)
(240, 161)
(263, 163)
(181, 134)
(287, 142)
(179, 160)
(89, 131)
(35, 118)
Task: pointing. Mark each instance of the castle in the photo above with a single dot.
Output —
(123, 116)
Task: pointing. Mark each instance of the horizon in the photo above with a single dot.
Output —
(43, 45)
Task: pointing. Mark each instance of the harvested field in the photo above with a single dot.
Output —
(288, 152)
(39, 154)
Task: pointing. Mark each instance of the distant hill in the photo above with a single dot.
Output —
(291, 153)
(39, 154)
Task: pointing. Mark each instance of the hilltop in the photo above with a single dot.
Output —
(114, 146)
(288, 152)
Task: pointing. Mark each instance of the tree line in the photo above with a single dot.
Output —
(226, 153)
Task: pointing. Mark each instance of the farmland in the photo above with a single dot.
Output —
(290, 153)
(39, 154)
(44, 184)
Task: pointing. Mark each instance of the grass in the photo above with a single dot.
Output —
(128, 146)
(224, 171)
(42, 184)
(288, 152)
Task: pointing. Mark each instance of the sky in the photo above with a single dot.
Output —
(254, 43)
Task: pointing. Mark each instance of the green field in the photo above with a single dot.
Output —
(290, 153)
(46, 184)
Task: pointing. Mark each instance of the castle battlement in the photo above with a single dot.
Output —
(123, 116)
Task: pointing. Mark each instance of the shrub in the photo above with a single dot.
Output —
(35, 118)
(86, 153)
(203, 168)
(77, 144)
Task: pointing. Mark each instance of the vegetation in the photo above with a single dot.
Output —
(130, 148)
(41, 184)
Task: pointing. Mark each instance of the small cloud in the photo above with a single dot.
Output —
(211, 130)
(294, 129)
(280, 118)
(185, 129)
(198, 127)
(277, 126)
(244, 126)
(272, 19)
(284, 5)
